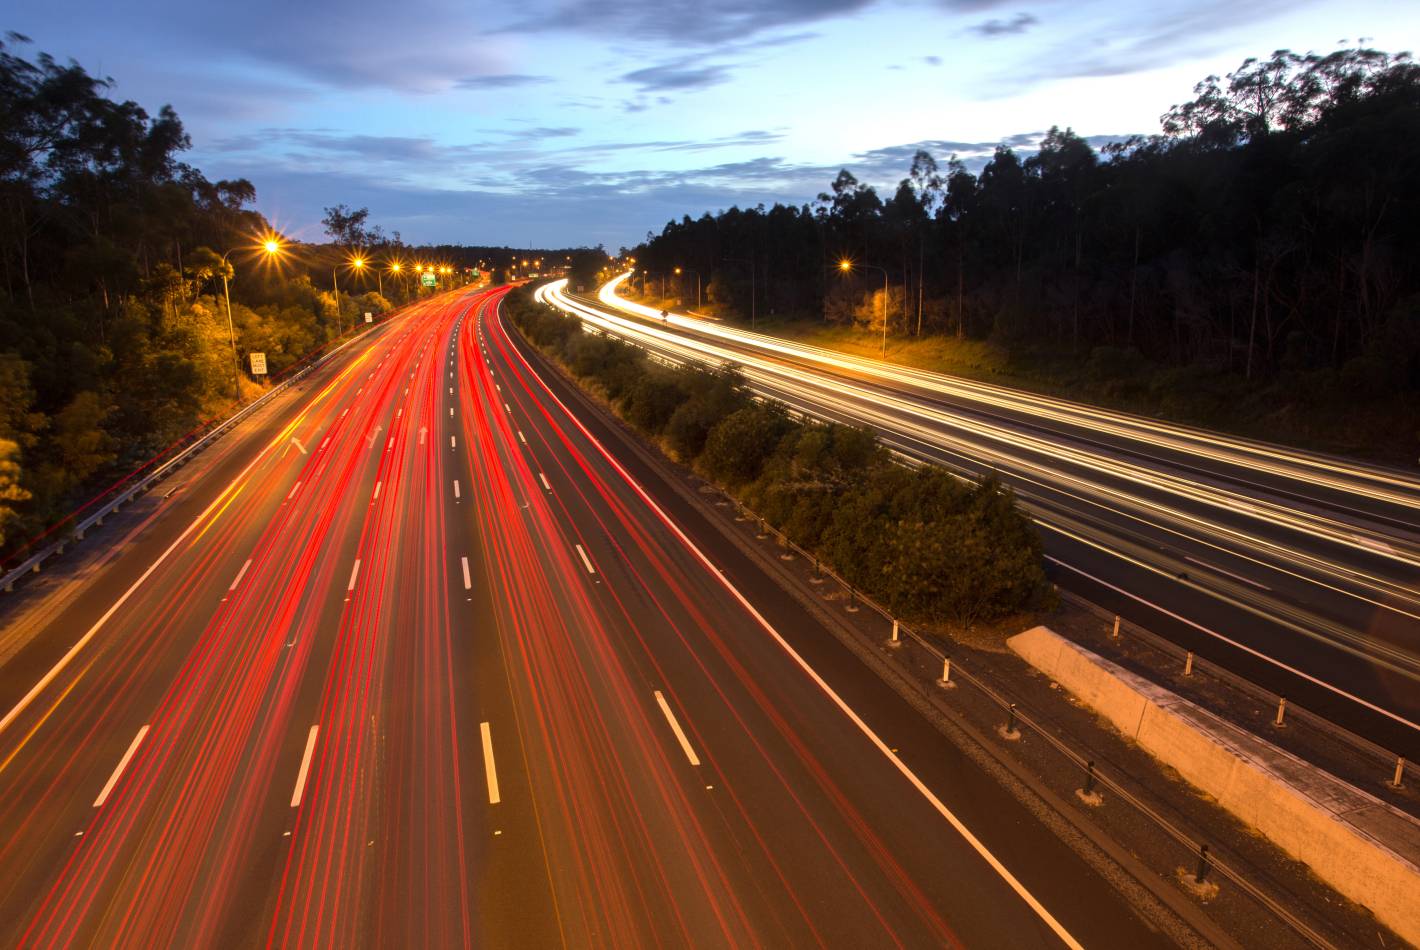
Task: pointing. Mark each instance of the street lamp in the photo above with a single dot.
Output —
(697, 283)
(846, 266)
(271, 247)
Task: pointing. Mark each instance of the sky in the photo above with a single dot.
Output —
(556, 123)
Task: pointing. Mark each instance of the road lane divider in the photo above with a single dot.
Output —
(293, 490)
(675, 727)
(544, 481)
(305, 771)
(586, 560)
(376, 496)
(354, 575)
(490, 769)
(122, 764)
(522, 438)
(240, 574)
(467, 581)
(456, 489)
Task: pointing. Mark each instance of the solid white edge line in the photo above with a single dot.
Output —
(489, 769)
(863, 727)
(305, 766)
(586, 560)
(240, 574)
(467, 581)
(118, 769)
(354, 573)
(675, 727)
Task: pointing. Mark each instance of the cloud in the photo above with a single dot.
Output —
(678, 76)
(991, 29)
(500, 81)
(932, 60)
(689, 22)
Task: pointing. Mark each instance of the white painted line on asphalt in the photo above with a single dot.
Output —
(377, 491)
(467, 581)
(325, 442)
(451, 390)
(399, 412)
(507, 407)
(585, 560)
(456, 489)
(390, 444)
(293, 490)
(305, 765)
(240, 574)
(122, 764)
(497, 387)
(451, 410)
(1236, 577)
(452, 444)
(1375, 544)
(354, 573)
(544, 481)
(522, 438)
(489, 769)
(675, 727)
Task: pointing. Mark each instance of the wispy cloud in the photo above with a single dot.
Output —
(991, 29)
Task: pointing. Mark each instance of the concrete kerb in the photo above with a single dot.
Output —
(1365, 848)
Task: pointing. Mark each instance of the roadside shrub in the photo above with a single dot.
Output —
(740, 443)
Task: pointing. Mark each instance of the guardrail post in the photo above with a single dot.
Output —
(1087, 793)
(895, 641)
(1201, 874)
(1399, 771)
(1009, 731)
(1115, 634)
(946, 681)
(1281, 711)
(1188, 664)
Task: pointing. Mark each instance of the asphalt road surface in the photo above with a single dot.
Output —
(419, 661)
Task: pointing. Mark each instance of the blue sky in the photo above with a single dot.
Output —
(563, 122)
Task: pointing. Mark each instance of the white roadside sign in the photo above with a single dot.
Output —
(258, 364)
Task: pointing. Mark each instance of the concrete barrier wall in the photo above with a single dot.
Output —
(1357, 843)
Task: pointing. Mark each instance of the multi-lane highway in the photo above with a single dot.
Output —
(1298, 570)
(424, 657)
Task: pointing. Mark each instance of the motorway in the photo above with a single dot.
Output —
(1299, 571)
(426, 658)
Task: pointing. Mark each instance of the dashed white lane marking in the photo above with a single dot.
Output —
(675, 727)
(522, 438)
(293, 490)
(507, 407)
(325, 442)
(377, 491)
(305, 766)
(467, 581)
(586, 560)
(489, 769)
(1236, 577)
(544, 481)
(390, 444)
(451, 390)
(354, 573)
(451, 410)
(240, 574)
(456, 489)
(452, 443)
(118, 770)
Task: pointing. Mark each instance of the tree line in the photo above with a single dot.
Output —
(114, 340)
(931, 547)
(1267, 231)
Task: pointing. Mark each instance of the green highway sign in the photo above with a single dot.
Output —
(428, 279)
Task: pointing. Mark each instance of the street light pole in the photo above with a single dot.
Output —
(697, 283)
(335, 282)
(847, 266)
(232, 337)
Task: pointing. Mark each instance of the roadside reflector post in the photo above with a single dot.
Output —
(1281, 712)
(1188, 664)
(1115, 634)
(1009, 731)
(1399, 772)
(946, 681)
(1087, 793)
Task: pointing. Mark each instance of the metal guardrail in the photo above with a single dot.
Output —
(133, 488)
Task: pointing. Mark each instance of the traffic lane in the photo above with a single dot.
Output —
(1241, 462)
(629, 854)
(206, 679)
(509, 877)
(799, 718)
(60, 752)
